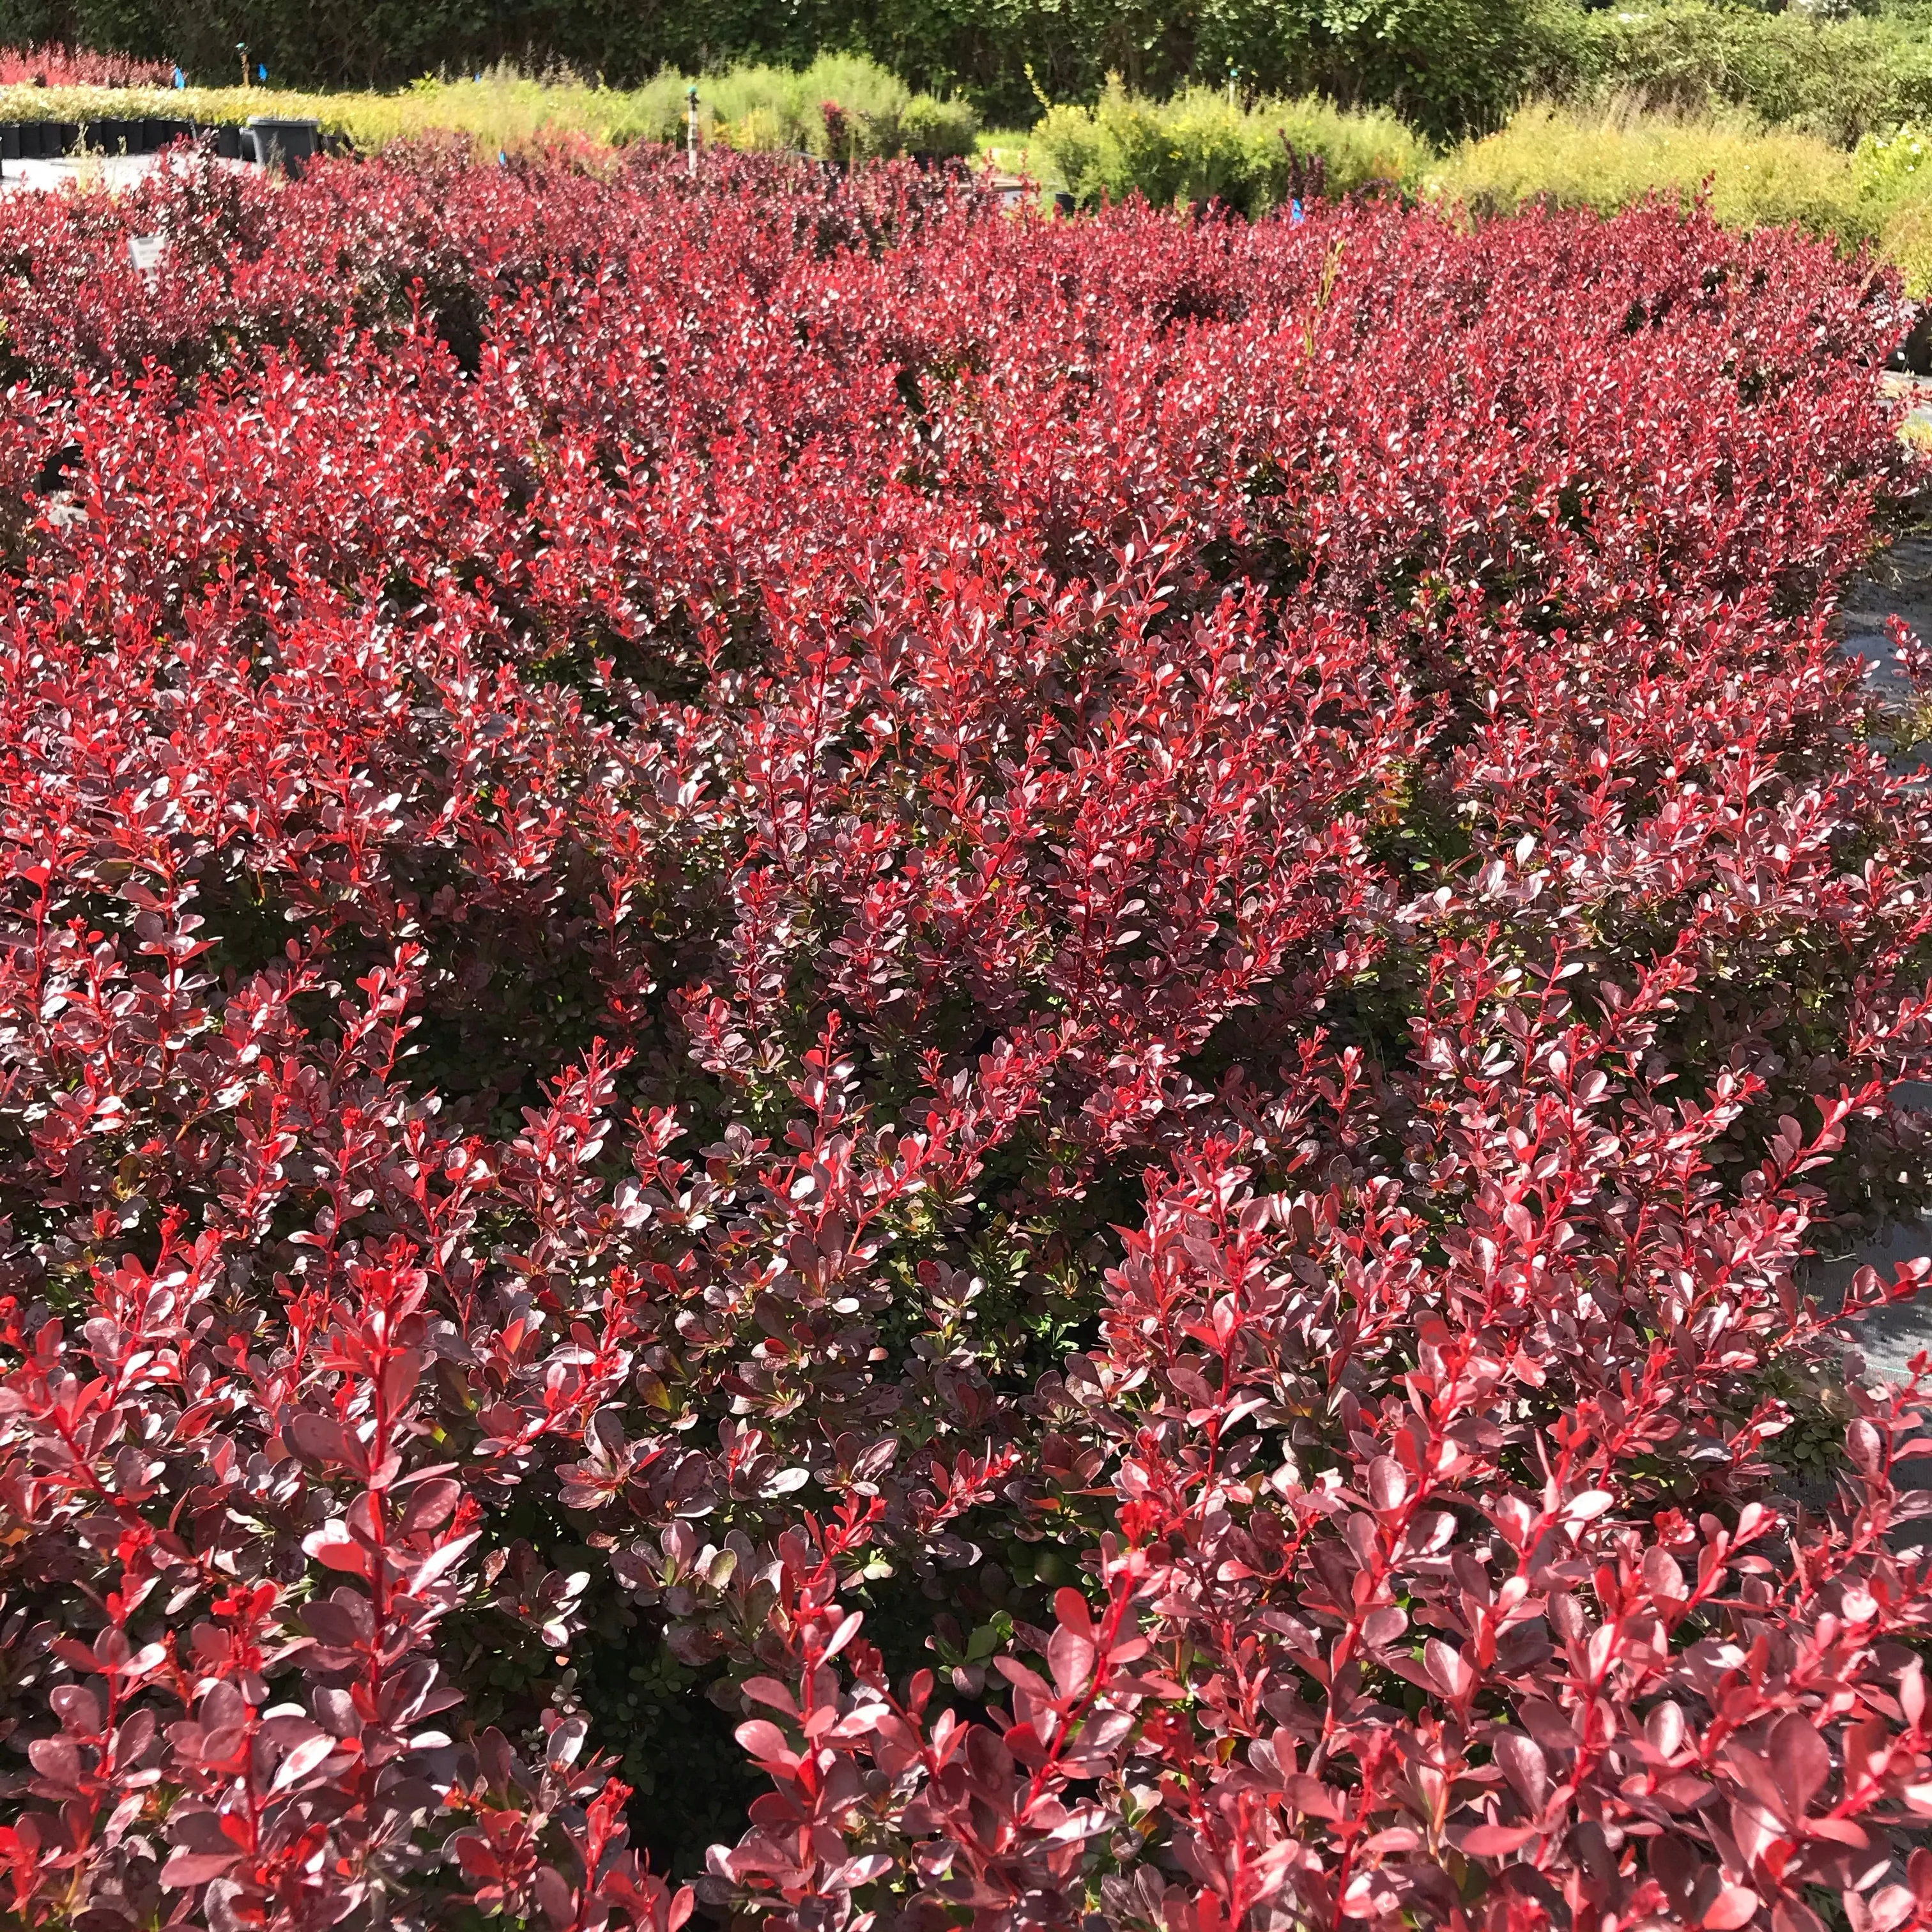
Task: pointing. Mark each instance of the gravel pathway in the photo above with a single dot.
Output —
(1899, 585)
(115, 170)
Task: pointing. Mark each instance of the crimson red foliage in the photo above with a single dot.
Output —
(54, 65)
(1080, 993)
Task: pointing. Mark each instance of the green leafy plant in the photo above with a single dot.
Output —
(1196, 148)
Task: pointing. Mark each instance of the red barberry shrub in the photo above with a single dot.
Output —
(1058, 1010)
(54, 65)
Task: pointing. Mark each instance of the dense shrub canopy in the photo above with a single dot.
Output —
(1056, 1009)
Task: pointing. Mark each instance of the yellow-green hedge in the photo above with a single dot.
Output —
(1199, 147)
(748, 106)
(506, 109)
(1754, 177)
(1194, 147)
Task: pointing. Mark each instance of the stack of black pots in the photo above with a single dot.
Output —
(49, 140)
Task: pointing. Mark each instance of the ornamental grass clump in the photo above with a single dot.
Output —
(868, 1064)
(1199, 147)
(503, 109)
(1750, 175)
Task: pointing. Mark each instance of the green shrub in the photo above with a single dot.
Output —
(655, 112)
(757, 108)
(503, 109)
(1906, 240)
(1893, 166)
(768, 107)
(1198, 148)
(1607, 159)
(791, 99)
(933, 126)
(756, 131)
(1893, 174)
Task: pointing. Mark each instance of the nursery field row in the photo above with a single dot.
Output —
(1198, 148)
(757, 107)
(872, 1065)
(1451, 67)
(1194, 148)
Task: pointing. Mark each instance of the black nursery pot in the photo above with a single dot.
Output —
(228, 142)
(289, 144)
(66, 137)
(10, 141)
(1915, 352)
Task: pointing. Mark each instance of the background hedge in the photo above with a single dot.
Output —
(1448, 65)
